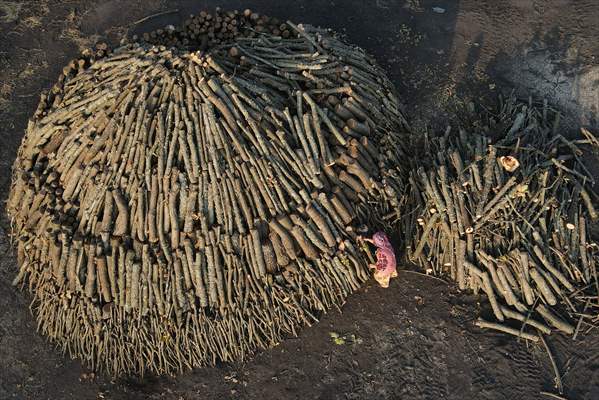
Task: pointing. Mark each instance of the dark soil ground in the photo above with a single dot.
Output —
(414, 340)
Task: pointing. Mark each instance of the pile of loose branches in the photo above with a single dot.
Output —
(504, 206)
(173, 208)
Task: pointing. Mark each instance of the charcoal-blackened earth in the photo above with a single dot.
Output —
(414, 340)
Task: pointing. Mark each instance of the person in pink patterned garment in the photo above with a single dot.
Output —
(385, 267)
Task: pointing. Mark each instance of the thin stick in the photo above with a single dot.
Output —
(139, 21)
(558, 379)
(555, 396)
(506, 329)
(423, 274)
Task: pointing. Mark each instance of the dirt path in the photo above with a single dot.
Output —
(414, 340)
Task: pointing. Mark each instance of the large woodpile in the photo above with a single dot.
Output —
(177, 206)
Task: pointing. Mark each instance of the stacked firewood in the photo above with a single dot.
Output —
(209, 29)
(173, 208)
(504, 207)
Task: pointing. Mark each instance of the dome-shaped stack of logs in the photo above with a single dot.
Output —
(173, 207)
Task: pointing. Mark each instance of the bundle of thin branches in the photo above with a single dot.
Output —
(506, 208)
(174, 208)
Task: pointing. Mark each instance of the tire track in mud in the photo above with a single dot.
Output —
(445, 358)
(414, 359)
(508, 372)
